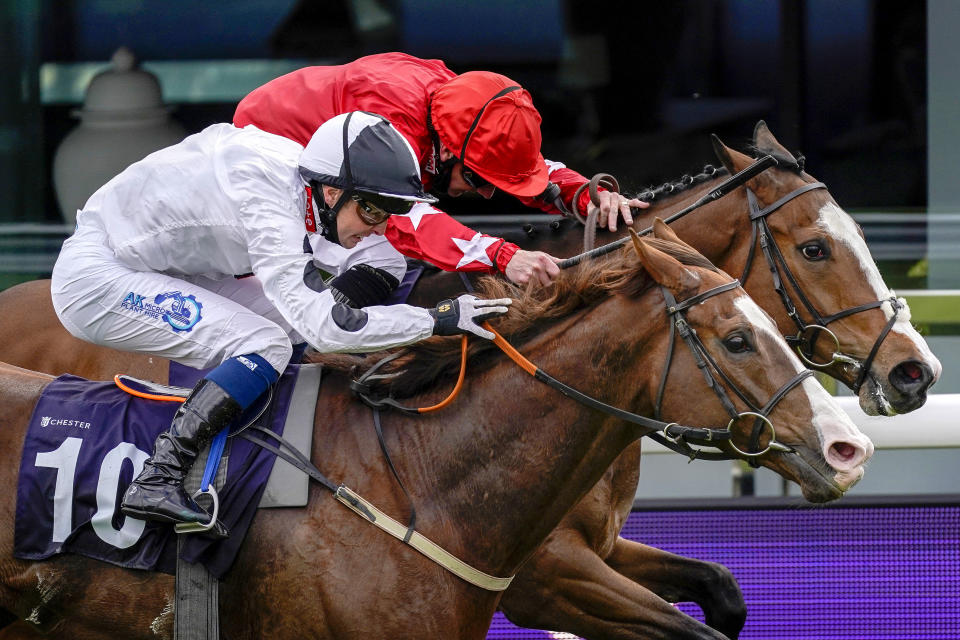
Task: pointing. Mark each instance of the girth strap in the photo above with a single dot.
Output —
(424, 545)
(369, 512)
(196, 614)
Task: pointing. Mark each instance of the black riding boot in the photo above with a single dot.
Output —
(157, 493)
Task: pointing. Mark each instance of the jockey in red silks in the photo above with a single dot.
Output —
(474, 132)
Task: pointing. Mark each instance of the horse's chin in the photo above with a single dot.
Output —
(815, 483)
(873, 399)
(881, 399)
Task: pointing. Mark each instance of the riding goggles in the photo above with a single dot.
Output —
(374, 208)
(474, 179)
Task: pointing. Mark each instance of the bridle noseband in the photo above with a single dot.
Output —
(678, 438)
(807, 334)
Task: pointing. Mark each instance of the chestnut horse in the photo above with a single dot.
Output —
(491, 478)
(586, 579)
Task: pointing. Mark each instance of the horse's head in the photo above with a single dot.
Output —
(794, 425)
(809, 266)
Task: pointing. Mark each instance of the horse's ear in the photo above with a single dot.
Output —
(665, 269)
(662, 231)
(636, 240)
(764, 142)
(734, 161)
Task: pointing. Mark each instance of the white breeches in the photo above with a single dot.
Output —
(195, 320)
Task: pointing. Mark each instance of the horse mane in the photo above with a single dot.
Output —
(420, 366)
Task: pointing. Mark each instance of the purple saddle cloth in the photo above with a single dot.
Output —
(78, 459)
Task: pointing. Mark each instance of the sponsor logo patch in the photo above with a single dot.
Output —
(181, 312)
(47, 421)
(309, 218)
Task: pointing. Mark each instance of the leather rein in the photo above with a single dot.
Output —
(670, 434)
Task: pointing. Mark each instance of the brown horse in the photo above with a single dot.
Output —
(491, 479)
(586, 579)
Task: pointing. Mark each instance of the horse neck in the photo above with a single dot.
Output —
(517, 455)
(720, 230)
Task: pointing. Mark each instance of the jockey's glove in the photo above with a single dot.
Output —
(465, 314)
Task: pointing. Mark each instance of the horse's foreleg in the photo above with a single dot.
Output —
(679, 579)
(567, 587)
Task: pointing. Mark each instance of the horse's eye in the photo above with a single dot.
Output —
(814, 251)
(737, 343)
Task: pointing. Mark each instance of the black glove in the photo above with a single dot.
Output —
(362, 286)
(465, 314)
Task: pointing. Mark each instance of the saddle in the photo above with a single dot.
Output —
(98, 436)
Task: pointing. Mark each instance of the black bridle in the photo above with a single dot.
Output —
(679, 438)
(807, 334)
(670, 434)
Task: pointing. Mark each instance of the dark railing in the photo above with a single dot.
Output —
(31, 249)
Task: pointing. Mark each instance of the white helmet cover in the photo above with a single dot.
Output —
(361, 151)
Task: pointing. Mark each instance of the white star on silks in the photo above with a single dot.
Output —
(416, 214)
(474, 249)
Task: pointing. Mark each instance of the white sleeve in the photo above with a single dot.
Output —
(275, 240)
(373, 250)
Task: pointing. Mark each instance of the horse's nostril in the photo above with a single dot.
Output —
(844, 450)
(912, 371)
(911, 376)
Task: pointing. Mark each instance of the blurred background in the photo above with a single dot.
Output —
(867, 90)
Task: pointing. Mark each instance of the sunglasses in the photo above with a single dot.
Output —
(473, 179)
(374, 210)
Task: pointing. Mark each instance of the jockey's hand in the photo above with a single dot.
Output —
(613, 205)
(536, 265)
(465, 314)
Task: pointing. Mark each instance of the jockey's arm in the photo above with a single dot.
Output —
(429, 234)
(612, 204)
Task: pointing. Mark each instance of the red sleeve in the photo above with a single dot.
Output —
(569, 181)
(427, 233)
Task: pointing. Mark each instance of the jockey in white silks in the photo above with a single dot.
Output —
(212, 253)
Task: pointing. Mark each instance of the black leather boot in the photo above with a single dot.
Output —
(157, 493)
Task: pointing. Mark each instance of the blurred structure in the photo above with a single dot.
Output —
(123, 119)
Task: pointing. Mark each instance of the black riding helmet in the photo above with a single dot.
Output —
(363, 155)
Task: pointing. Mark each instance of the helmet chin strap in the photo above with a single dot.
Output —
(444, 173)
(327, 216)
(443, 168)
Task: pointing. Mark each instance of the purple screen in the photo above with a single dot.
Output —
(857, 573)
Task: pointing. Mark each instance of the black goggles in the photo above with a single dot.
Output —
(374, 209)
(473, 178)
